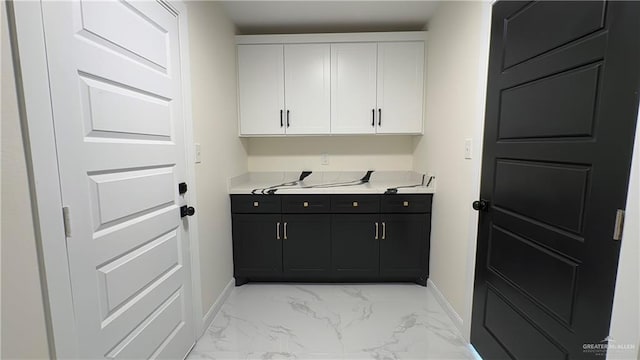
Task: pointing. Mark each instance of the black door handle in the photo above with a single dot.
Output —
(287, 118)
(187, 211)
(373, 117)
(379, 117)
(480, 205)
(281, 119)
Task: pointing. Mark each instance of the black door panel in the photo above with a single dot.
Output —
(257, 245)
(306, 246)
(403, 245)
(355, 246)
(562, 101)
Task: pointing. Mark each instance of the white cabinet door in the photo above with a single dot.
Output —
(261, 89)
(118, 116)
(353, 88)
(400, 87)
(307, 88)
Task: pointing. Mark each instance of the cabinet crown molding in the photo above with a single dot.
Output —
(331, 37)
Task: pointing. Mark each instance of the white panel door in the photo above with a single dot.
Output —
(400, 87)
(261, 89)
(307, 88)
(117, 107)
(353, 88)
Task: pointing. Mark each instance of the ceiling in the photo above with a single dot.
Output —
(309, 16)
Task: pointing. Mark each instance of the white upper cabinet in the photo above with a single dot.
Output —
(321, 84)
(261, 89)
(353, 88)
(307, 88)
(400, 87)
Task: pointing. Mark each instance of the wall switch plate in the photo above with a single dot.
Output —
(324, 159)
(467, 148)
(198, 153)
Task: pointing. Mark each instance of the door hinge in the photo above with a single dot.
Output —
(619, 226)
(66, 218)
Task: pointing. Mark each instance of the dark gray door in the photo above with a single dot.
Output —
(562, 101)
(306, 246)
(355, 246)
(257, 246)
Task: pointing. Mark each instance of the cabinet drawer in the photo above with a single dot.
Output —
(355, 203)
(306, 204)
(255, 204)
(406, 203)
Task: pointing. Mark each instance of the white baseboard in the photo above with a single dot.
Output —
(448, 309)
(213, 311)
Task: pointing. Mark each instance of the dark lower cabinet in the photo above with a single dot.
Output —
(355, 249)
(331, 237)
(306, 246)
(257, 246)
(404, 253)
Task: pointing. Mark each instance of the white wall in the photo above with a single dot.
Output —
(456, 39)
(23, 332)
(213, 86)
(345, 153)
(625, 320)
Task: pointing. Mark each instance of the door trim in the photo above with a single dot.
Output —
(27, 36)
(478, 138)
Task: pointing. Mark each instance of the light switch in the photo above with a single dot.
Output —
(198, 154)
(467, 148)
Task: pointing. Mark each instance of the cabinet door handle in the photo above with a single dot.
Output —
(285, 230)
(278, 231)
(373, 117)
(384, 230)
(281, 123)
(377, 231)
(287, 118)
(379, 117)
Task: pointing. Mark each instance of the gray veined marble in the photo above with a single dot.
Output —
(329, 321)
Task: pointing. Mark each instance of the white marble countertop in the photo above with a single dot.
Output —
(331, 182)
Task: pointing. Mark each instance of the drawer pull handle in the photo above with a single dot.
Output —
(285, 230)
(377, 232)
(405, 204)
(256, 204)
(384, 230)
(305, 204)
(278, 231)
(355, 204)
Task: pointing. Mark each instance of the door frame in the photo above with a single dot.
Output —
(476, 164)
(619, 317)
(28, 48)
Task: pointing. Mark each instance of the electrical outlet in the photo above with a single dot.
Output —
(467, 148)
(198, 153)
(324, 159)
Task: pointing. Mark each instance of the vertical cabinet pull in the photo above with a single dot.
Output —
(287, 118)
(377, 231)
(373, 117)
(379, 117)
(278, 231)
(285, 230)
(281, 123)
(384, 230)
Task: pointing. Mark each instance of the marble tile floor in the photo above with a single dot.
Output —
(331, 321)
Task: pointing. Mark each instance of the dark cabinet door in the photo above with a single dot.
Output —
(257, 245)
(306, 246)
(404, 246)
(355, 246)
